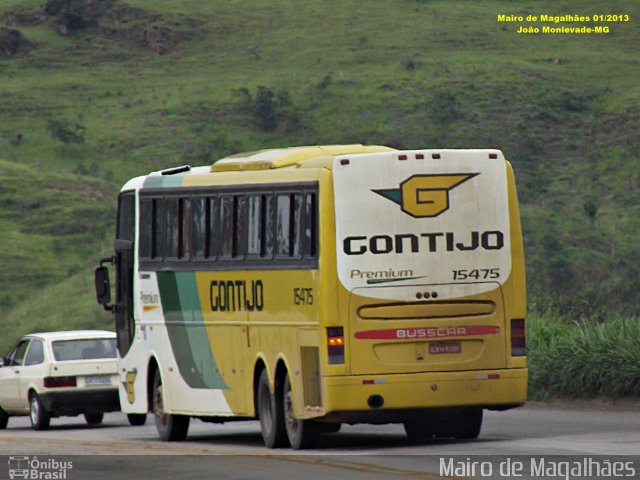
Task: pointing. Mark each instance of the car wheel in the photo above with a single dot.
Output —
(93, 418)
(37, 414)
(270, 414)
(171, 428)
(137, 419)
(4, 419)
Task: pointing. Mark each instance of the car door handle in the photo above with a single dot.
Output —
(16, 371)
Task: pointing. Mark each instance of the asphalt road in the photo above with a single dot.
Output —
(235, 450)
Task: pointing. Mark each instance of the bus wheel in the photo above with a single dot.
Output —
(171, 428)
(468, 424)
(93, 418)
(4, 419)
(464, 424)
(137, 419)
(39, 417)
(271, 420)
(301, 433)
(419, 429)
(328, 427)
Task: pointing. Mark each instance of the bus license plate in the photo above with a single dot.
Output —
(444, 347)
(98, 380)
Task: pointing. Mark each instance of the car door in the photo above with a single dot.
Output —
(10, 382)
(33, 372)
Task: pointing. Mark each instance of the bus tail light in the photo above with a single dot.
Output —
(56, 382)
(518, 338)
(335, 344)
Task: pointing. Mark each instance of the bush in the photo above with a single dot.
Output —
(583, 360)
(269, 110)
(443, 107)
(70, 13)
(63, 131)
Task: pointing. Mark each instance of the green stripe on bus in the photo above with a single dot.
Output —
(197, 333)
(188, 337)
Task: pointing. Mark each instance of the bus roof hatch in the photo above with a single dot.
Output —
(286, 157)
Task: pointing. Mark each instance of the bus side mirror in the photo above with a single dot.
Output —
(103, 287)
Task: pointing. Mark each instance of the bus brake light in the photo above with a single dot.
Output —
(335, 344)
(518, 338)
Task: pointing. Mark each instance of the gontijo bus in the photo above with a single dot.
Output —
(314, 286)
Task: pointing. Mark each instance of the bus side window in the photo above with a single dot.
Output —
(146, 228)
(158, 229)
(267, 226)
(240, 226)
(295, 227)
(283, 222)
(310, 226)
(227, 223)
(213, 228)
(260, 225)
(254, 224)
(172, 228)
(184, 250)
(199, 217)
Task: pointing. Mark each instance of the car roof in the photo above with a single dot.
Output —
(73, 334)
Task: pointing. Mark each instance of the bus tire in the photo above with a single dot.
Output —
(4, 419)
(39, 417)
(302, 434)
(270, 414)
(328, 427)
(467, 425)
(93, 418)
(420, 429)
(171, 428)
(137, 419)
(464, 424)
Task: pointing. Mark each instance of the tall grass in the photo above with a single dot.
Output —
(583, 359)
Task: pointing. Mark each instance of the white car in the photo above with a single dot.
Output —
(60, 373)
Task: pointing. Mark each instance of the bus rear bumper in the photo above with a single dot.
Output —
(493, 389)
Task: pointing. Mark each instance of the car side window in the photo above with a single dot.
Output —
(16, 357)
(35, 355)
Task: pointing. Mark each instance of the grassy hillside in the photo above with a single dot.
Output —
(96, 91)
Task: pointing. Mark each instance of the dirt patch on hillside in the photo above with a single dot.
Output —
(24, 17)
(94, 22)
(124, 13)
(13, 43)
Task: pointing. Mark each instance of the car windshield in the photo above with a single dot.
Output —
(84, 349)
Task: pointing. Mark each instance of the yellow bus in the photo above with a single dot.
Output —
(314, 286)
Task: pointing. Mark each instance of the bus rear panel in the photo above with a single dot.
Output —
(431, 285)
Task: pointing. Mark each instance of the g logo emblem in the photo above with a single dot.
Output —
(424, 196)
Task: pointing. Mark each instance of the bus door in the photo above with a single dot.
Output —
(123, 247)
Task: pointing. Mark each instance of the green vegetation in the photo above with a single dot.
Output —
(53, 224)
(97, 91)
(583, 360)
